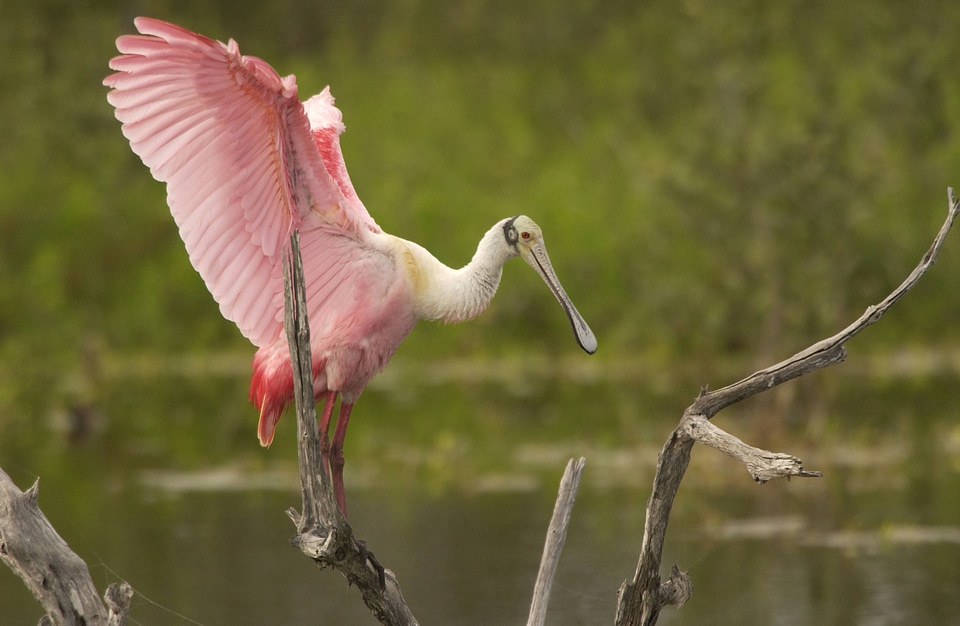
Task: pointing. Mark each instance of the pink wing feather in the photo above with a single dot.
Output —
(245, 163)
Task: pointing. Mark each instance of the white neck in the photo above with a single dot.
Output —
(461, 294)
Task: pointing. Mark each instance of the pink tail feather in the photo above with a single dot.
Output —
(269, 416)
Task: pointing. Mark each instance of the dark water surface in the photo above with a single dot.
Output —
(875, 542)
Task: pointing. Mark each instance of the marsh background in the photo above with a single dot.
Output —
(720, 185)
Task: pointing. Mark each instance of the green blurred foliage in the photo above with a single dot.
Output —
(716, 181)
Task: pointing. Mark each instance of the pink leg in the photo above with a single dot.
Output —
(330, 399)
(336, 455)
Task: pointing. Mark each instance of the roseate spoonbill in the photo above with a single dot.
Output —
(246, 162)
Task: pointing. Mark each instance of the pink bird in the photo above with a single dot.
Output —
(246, 163)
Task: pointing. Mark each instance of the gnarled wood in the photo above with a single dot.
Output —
(641, 599)
(763, 465)
(55, 575)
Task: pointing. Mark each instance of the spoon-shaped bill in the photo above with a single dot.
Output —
(537, 258)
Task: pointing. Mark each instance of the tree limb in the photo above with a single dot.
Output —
(556, 536)
(640, 600)
(763, 465)
(55, 575)
(323, 532)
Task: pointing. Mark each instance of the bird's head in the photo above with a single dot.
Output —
(525, 238)
(522, 233)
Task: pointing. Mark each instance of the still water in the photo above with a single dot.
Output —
(877, 541)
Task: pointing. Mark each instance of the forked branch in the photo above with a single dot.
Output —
(641, 599)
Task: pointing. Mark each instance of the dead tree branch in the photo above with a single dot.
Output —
(55, 575)
(763, 465)
(556, 536)
(641, 599)
(323, 532)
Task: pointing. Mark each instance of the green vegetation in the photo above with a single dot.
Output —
(719, 183)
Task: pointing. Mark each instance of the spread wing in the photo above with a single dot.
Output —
(244, 160)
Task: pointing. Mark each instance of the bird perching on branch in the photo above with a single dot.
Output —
(246, 163)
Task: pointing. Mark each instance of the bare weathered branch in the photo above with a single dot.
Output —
(556, 536)
(830, 350)
(641, 599)
(323, 532)
(55, 575)
(317, 496)
(763, 465)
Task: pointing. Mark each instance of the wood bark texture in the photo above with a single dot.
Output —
(556, 537)
(323, 533)
(55, 575)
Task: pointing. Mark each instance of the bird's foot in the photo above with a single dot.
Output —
(366, 555)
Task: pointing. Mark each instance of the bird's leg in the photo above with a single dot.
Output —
(336, 467)
(330, 399)
(336, 455)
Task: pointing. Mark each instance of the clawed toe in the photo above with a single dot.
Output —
(366, 555)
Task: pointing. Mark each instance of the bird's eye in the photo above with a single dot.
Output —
(525, 235)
